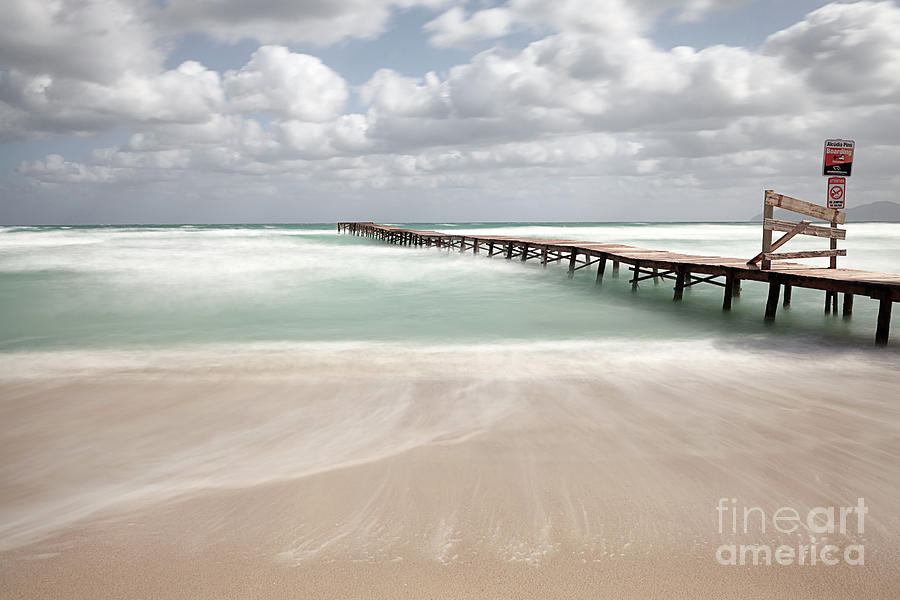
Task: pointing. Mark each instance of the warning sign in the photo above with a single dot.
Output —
(837, 192)
(838, 159)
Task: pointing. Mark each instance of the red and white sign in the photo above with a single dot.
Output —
(838, 157)
(837, 191)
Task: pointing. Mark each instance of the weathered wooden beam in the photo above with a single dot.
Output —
(573, 256)
(795, 230)
(544, 256)
(637, 270)
(693, 280)
(884, 320)
(813, 230)
(805, 208)
(787, 295)
(587, 262)
(663, 275)
(804, 254)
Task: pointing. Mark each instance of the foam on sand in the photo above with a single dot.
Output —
(435, 468)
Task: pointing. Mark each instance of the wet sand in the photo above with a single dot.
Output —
(563, 480)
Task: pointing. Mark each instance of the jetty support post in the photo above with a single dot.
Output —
(601, 268)
(572, 258)
(772, 301)
(787, 295)
(848, 305)
(884, 320)
(544, 256)
(831, 303)
(509, 249)
(615, 268)
(679, 283)
(637, 273)
(729, 290)
(524, 252)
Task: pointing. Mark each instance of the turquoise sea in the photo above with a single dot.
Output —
(152, 287)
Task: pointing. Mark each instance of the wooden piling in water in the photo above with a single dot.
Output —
(772, 300)
(679, 283)
(883, 325)
(601, 267)
(729, 290)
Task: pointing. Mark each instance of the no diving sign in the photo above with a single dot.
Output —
(837, 188)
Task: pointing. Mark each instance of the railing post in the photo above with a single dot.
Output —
(833, 262)
(768, 213)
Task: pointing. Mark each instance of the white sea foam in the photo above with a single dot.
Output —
(99, 432)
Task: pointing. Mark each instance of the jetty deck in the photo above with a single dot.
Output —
(684, 269)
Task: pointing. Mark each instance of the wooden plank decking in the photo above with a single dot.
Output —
(684, 269)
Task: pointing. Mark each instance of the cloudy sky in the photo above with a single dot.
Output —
(156, 111)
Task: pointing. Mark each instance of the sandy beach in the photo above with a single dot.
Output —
(442, 478)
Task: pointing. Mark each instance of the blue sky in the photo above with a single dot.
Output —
(402, 110)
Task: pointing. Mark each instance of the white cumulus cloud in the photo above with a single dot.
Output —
(280, 82)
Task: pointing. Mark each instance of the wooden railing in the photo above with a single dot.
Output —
(770, 224)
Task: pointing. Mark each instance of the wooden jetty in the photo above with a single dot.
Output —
(685, 269)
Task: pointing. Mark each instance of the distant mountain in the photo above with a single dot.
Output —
(881, 211)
